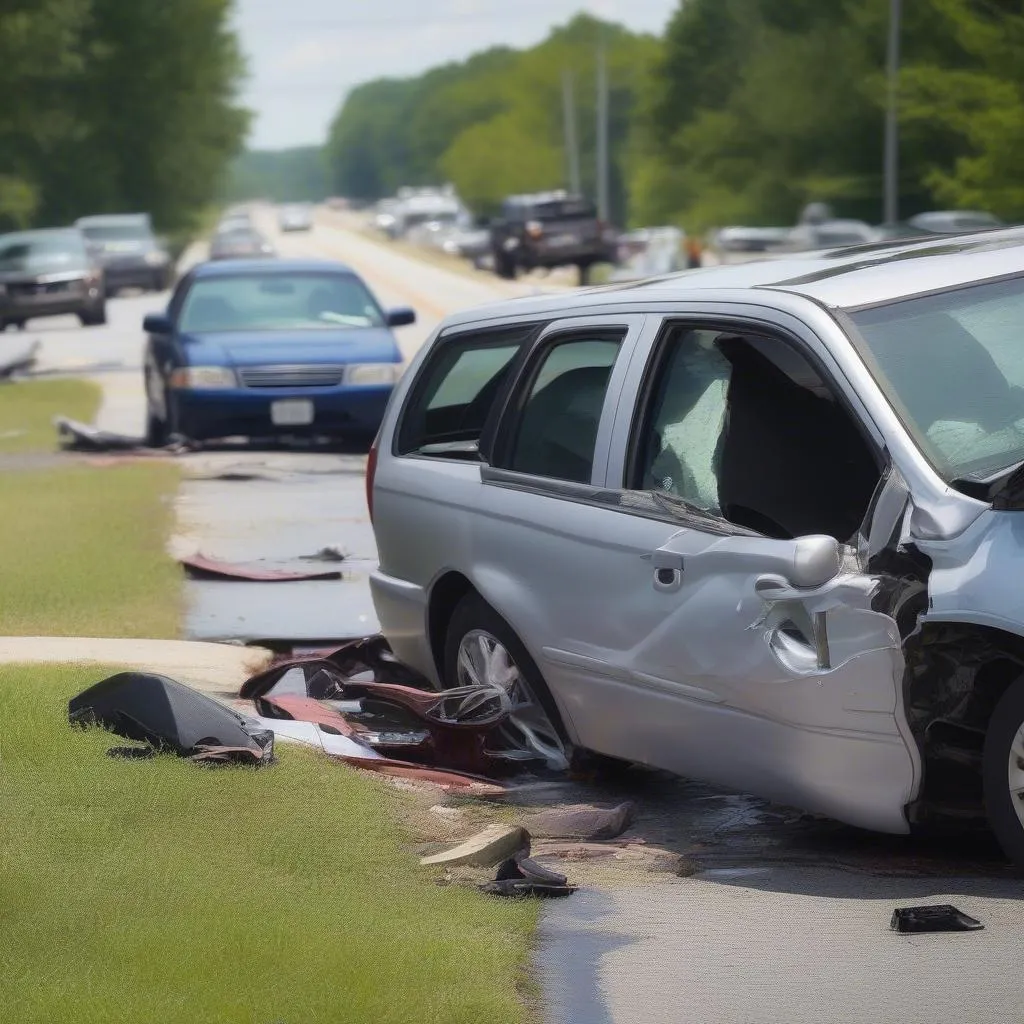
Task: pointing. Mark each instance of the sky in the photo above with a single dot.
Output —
(304, 55)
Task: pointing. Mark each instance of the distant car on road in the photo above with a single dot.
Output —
(49, 272)
(129, 251)
(269, 348)
(295, 217)
(240, 243)
(549, 229)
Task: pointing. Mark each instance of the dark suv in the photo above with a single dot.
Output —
(131, 255)
(549, 229)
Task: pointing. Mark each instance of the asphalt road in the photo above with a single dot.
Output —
(782, 918)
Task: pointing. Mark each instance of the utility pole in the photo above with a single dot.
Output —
(572, 147)
(602, 133)
(892, 116)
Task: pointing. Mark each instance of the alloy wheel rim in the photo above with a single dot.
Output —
(483, 660)
(1015, 773)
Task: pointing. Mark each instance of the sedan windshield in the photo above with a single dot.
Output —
(952, 365)
(37, 252)
(276, 301)
(116, 232)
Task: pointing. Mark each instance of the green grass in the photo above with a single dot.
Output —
(27, 409)
(83, 553)
(160, 891)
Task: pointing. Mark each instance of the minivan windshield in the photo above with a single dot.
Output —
(42, 251)
(276, 301)
(952, 366)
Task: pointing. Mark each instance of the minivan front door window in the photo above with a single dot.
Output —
(743, 427)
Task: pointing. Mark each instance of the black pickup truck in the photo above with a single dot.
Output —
(549, 229)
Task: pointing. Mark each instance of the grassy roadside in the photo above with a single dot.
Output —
(157, 890)
(83, 552)
(27, 409)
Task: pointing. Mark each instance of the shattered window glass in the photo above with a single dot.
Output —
(953, 367)
(689, 414)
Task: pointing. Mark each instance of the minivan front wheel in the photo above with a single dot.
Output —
(481, 649)
(1004, 772)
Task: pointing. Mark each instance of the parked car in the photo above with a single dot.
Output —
(549, 229)
(239, 243)
(650, 252)
(128, 250)
(739, 244)
(295, 217)
(49, 272)
(758, 525)
(832, 234)
(269, 348)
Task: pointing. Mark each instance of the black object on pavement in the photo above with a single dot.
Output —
(939, 918)
(521, 876)
(170, 716)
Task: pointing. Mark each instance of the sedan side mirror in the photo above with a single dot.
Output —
(157, 323)
(401, 316)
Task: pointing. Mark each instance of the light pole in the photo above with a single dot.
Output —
(892, 119)
(602, 133)
(571, 144)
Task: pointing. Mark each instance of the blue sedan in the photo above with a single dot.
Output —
(270, 348)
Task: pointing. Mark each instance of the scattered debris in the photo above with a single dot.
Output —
(199, 566)
(172, 717)
(938, 918)
(495, 843)
(19, 363)
(84, 437)
(328, 554)
(581, 822)
(520, 877)
(456, 728)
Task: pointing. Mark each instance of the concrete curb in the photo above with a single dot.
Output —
(213, 668)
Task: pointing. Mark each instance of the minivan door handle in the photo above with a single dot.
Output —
(668, 570)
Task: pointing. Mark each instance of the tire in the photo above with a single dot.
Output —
(504, 266)
(474, 619)
(157, 434)
(1004, 809)
(584, 273)
(95, 316)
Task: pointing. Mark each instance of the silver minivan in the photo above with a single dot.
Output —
(761, 525)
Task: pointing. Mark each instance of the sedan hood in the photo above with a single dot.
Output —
(268, 348)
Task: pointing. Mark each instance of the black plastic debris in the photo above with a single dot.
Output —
(521, 876)
(938, 918)
(84, 437)
(171, 717)
(14, 365)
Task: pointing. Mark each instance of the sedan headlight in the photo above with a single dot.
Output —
(155, 258)
(203, 377)
(373, 373)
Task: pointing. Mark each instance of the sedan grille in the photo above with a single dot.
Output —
(291, 376)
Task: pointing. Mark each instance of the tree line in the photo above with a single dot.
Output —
(116, 106)
(742, 112)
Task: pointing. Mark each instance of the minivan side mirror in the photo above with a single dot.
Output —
(401, 316)
(157, 323)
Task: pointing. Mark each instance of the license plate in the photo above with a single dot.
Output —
(565, 240)
(296, 413)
